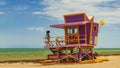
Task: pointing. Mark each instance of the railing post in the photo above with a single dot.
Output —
(79, 55)
(58, 56)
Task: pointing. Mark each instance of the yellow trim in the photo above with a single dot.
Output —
(65, 31)
(78, 35)
(64, 19)
(96, 40)
(52, 57)
(84, 47)
(84, 17)
(91, 18)
(90, 40)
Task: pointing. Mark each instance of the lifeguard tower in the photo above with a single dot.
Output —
(80, 37)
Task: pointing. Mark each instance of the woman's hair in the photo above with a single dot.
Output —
(48, 31)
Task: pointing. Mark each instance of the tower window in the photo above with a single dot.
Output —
(71, 30)
(95, 27)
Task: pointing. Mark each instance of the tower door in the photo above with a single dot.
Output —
(94, 34)
(71, 35)
(82, 34)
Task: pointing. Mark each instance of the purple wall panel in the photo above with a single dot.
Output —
(94, 32)
(82, 37)
(88, 28)
(82, 30)
(82, 41)
(76, 18)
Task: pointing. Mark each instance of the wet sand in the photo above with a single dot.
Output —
(114, 62)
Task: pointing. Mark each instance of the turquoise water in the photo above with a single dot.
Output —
(23, 53)
(40, 53)
(22, 49)
(40, 49)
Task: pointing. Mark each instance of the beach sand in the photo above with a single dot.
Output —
(114, 62)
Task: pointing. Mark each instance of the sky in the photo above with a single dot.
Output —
(23, 23)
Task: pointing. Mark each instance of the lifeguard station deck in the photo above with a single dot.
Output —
(80, 38)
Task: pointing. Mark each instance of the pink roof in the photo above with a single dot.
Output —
(68, 24)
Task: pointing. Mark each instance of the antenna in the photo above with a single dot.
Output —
(102, 22)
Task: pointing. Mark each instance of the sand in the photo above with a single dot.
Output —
(114, 62)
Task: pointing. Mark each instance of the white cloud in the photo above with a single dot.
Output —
(2, 13)
(57, 8)
(41, 29)
(37, 13)
(66, 1)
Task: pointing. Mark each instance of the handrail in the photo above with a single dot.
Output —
(63, 40)
(54, 39)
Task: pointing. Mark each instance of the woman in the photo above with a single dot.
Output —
(47, 36)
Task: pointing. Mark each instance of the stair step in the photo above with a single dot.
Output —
(53, 50)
